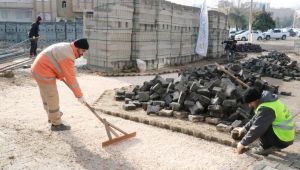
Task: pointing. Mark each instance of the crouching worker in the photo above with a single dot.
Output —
(272, 123)
(57, 62)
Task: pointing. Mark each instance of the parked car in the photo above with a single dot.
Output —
(292, 32)
(275, 34)
(233, 33)
(256, 34)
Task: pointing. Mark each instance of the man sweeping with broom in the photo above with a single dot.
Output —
(57, 62)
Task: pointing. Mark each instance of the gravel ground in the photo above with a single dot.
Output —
(27, 143)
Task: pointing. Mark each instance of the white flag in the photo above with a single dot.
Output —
(202, 41)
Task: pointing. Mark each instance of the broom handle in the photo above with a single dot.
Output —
(101, 119)
(232, 76)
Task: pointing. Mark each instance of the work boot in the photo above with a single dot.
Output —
(60, 127)
(265, 152)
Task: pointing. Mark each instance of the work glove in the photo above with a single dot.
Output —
(241, 148)
(82, 100)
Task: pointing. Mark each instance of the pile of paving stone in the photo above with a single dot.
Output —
(275, 64)
(198, 94)
(248, 47)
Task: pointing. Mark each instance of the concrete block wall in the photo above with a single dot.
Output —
(144, 40)
(217, 33)
(109, 29)
(160, 33)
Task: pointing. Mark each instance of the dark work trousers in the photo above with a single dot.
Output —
(269, 139)
(33, 47)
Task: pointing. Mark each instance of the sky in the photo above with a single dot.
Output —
(214, 3)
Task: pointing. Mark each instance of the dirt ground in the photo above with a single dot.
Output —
(27, 143)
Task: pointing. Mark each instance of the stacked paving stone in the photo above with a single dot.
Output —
(217, 31)
(276, 65)
(248, 47)
(199, 94)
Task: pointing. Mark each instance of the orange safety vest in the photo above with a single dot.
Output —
(57, 62)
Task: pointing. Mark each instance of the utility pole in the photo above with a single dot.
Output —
(250, 23)
(295, 14)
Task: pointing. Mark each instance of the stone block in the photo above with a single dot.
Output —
(127, 100)
(188, 103)
(164, 112)
(175, 106)
(136, 89)
(196, 118)
(146, 86)
(168, 99)
(129, 106)
(145, 105)
(223, 127)
(119, 98)
(159, 102)
(216, 90)
(212, 120)
(193, 96)
(154, 96)
(129, 95)
(196, 108)
(237, 123)
(181, 86)
(143, 96)
(153, 109)
(286, 78)
(120, 92)
(204, 92)
(215, 111)
(205, 101)
(137, 103)
(229, 103)
(175, 95)
(180, 115)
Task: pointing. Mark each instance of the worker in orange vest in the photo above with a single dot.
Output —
(57, 62)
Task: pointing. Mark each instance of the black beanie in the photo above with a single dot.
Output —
(251, 94)
(82, 43)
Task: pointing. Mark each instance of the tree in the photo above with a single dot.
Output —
(263, 21)
(237, 19)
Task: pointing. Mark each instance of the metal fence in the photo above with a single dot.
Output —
(50, 32)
